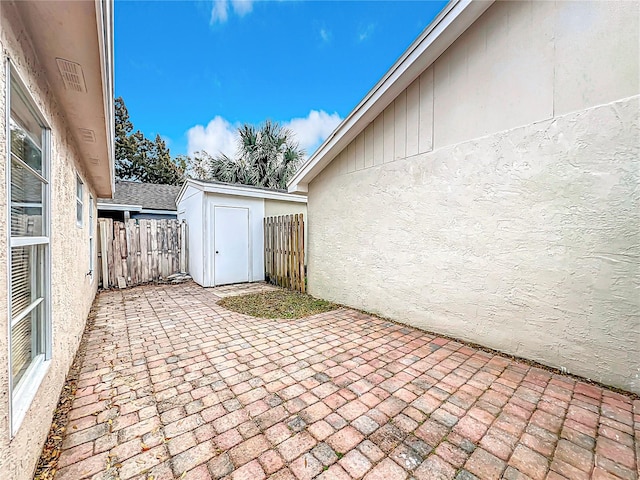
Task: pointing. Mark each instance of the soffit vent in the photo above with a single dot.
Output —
(87, 135)
(72, 75)
(94, 160)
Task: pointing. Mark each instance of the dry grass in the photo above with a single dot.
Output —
(277, 304)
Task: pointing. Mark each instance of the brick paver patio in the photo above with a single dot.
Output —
(175, 386)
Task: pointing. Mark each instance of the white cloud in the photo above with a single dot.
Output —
(220, 135)
(366, 32)
(325, 35)
(220, 9)
(242, 7)
(313, 129)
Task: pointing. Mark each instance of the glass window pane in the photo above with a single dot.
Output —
(24, 147)
(90, 215)
(23, 114)
(78, 188)
(25, 186)
(26, 221)
(91, 254)
(79, 213)
(26, 202)
(21, 352)
(26, 344)
(26, 277)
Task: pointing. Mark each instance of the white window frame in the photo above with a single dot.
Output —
(79, 201)
(92, 246)
(21, 396)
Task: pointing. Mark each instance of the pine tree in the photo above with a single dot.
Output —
(140, 159)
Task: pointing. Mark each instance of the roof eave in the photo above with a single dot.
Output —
(448, 25)
(239, 190)
(105, 26)
(119, 207)
(78, 34)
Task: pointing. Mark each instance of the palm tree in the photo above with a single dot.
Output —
(266, 157)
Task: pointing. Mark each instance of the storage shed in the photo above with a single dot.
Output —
(226, 236)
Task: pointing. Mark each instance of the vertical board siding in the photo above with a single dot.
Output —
(360, 151)
(141, 251)
(413, 118)
(368, 146)
(403, 129)
(388, 136)
(400, 124)
(425, 123)
(351, 158)
(284, 251)
(378, 140)
(342, 162)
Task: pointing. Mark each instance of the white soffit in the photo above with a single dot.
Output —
(72, 75)
(73, 44)
(456, 17)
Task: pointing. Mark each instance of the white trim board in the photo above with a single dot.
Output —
(119, 207)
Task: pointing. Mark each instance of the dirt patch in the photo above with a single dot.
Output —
(277, 304)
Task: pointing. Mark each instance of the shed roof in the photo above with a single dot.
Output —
(149, 196)
(456, 17)
(236, 189)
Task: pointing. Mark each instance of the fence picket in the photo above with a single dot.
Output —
(111, 252)
(303, 276)
(284, 251)
(295, 271)
(141, 251)
(117, 261)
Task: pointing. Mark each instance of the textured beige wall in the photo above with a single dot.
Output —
(72, 291)
(520, 230)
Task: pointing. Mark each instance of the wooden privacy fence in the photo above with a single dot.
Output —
(140, 251)
(284, 251)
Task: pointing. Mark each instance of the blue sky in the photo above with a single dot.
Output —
(193, 71)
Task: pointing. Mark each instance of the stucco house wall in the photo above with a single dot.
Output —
(496, 198)
(72, 290)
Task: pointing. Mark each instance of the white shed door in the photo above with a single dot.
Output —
(231, 243)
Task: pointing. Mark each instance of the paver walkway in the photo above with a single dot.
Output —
(173, 384)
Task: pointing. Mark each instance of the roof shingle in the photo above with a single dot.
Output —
(149, 195)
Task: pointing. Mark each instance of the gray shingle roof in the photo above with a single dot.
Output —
(149, 195)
